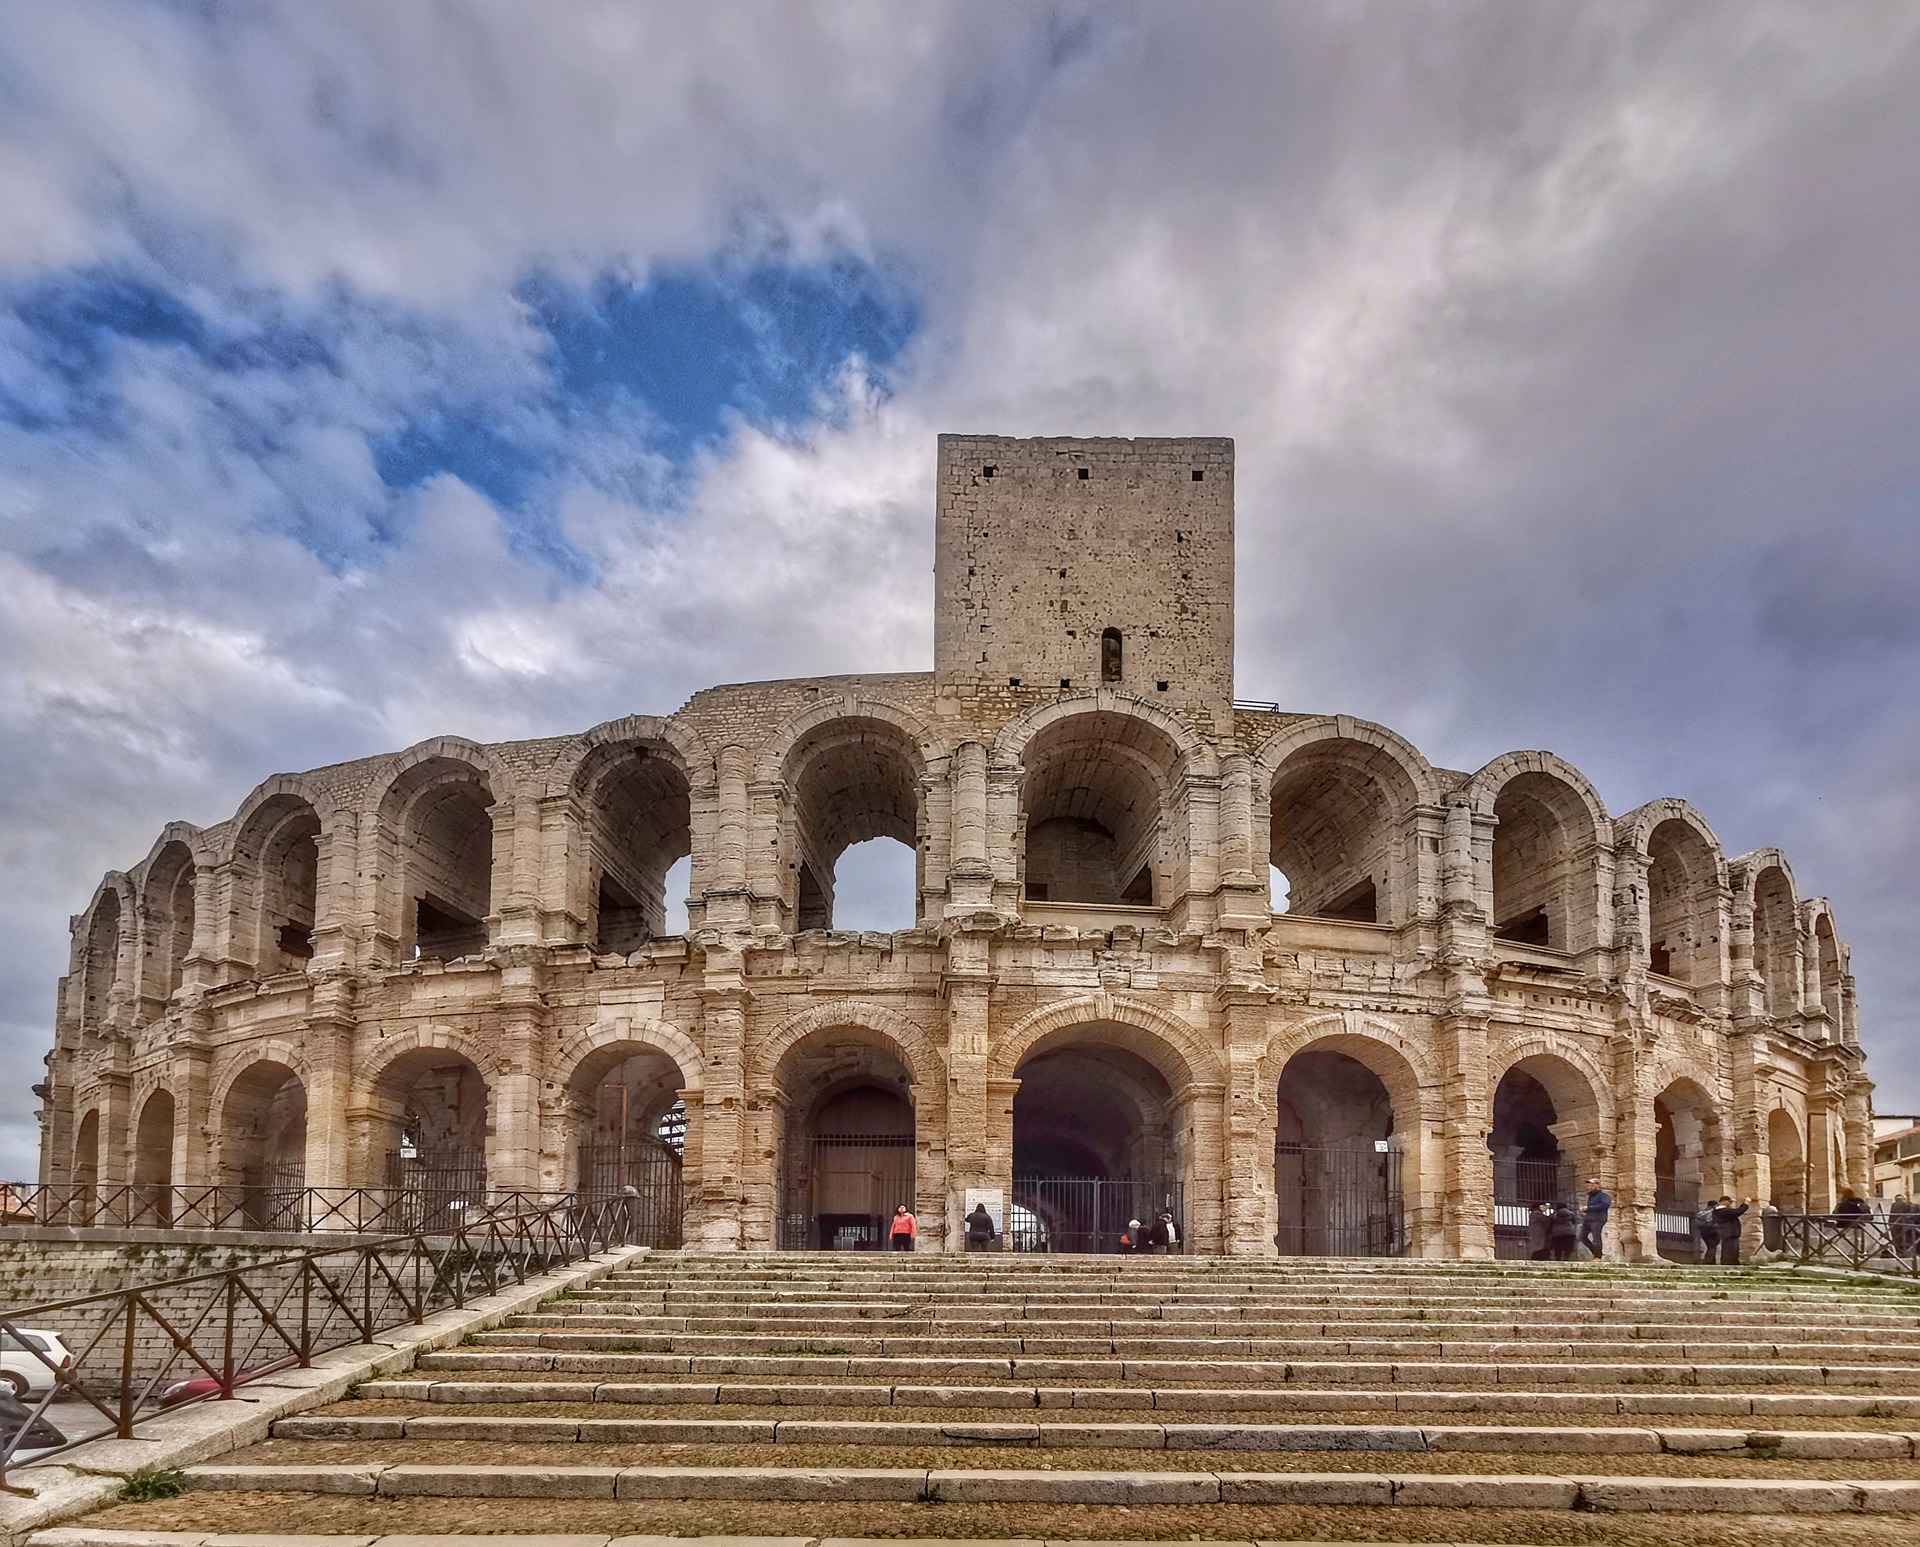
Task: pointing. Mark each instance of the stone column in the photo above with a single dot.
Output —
(1201, 1108)
(969, 989)
(329, 1084)
(1465, 882)
(727, 897)
(1859, 1142)
(970, 874)
(1633, 1229)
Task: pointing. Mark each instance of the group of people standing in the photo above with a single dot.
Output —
(1555, 1231)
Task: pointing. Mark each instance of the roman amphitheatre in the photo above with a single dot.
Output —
(1271, 972)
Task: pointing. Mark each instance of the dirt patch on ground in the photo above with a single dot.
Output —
(307, 1513)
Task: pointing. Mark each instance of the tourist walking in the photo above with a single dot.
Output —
(1563, 1232)
(1165, 1235)
(903, 1229)
(1725, 1233)
(981, 1236)
(1593, 1224)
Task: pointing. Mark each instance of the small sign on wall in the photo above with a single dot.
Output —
(996, 1202)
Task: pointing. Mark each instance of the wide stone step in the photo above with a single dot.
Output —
(1061, 1434)
(1532, 1491)
(1225, 1398)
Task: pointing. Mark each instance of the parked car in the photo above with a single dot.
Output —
(32, 1360)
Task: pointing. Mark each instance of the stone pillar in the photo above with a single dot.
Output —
(516, 872)
(723, 1159)
(191, 1079)
(969, 988)
(329, 1042)
(727, 897)
(970, 874)
(1465, 880)
(1250, 1221)
(1633, 1229)
(513, 1138)
(1859, 1144)
(1201, 1108)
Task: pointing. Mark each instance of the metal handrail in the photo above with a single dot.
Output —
(226, 1206)
(1882, 1243)
(235, 1325)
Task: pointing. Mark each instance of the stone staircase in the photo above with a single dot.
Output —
(1235, 1397)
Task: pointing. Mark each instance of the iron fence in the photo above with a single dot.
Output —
(1087, 1214)
(1519, 1188)
(1676, 1207)
(1882, 1243)
(266, 1206)
(841, 1190)
(1339, 1201)
(648, 1175)
(140, 1350)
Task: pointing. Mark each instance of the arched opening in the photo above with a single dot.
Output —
(1827, 959)
(1544, 1139)
(1786, 1162)
(632, 1125)
(1336, 1164)
(1112, 663)
(1334, 809)
(434, 1107)
(1098, 826)
(1098, 1141)
(856, 786)
(1776, 954)
(263, 1145)
(847, 1153)
(153, 1160)
(1687, 1164)
(279, 850)
(86, 1168)
(1542, 852)
(445, 853)
(102, 968)
(1683, 905)
(639, 827)
(168, 937)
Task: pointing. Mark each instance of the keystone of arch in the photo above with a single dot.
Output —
(696, 758)
(1193, 1060)
(297, 786)
(1483, 789)
(923, 1061)
(435, 1038)
(275, 1050)
(452, 749)
(1513, 1050)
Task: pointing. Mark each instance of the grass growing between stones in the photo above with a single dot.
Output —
(147, 1483)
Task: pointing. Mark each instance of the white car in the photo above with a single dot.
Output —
(25, 1374)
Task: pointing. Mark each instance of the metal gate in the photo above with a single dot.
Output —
(272, 1195)
(1675, 1203)
(1340, 1201)
(1086, 1214)
(841, 1190)
(433, 1189)
(1519, 1188)
(647, 1174)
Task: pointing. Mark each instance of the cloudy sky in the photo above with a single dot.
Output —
(370, 371)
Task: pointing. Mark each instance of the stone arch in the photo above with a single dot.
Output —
(428, 1094)
(153, 1147)
(105, 932)
(1398, 1060)
(612, 1033)
(1551, 1114)
(635, 795)
(1334, 798)
(1827, 971)
(1545, 880)
(1681, 915)
(168, 915)
(1689, 1158)
(1173, 1046)
(273, 858)
(850, 771)
(437, 840)
(621, 1114)
(696, 759)
(260, 1133)
(85, 1170)
(1787, 1162)
(1764, 891)
(914, 1046)
(1010, 745)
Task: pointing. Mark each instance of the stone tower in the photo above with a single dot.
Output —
(1067, 564)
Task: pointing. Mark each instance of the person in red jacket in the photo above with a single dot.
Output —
(904, 1228)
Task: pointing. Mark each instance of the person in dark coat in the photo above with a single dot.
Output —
(1593, 1225)
(1726, 1233)
(1539, 1231)
(1563, 1232)
(981, 1235)
(1903, 1224)
(1165, 1234)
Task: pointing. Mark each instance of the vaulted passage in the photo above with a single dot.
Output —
(1786, 1162)
(1776, 945)
(1334, 826)
(1098, 825)
(441, 814)
(168, 938)
(433, 1107)
(1687, 1164)
(1683, 905)
(632, 1127)
(277, 859)
(1336, 1167)
(263, 1143)
(1096, 1146)
(639, 825)
(1545, 1127)
(153, 1158)
(847, 1155)
(102, 961)
(1542, 846)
